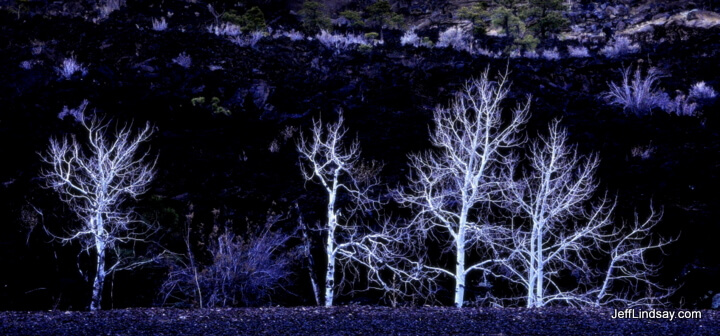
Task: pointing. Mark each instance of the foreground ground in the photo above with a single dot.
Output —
(349, 321)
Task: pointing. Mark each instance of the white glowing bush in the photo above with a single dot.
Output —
(621, 45)
(551, 55)
(159, 25)
(532, 54)
(184, 60)
(636, 93)
(248, 40)
(339, 42)
(411, 38)
(69, 67)
(456, 38)
(578, 52)
(108, 6)
(224, 29)
(294, 35)
(701, 90)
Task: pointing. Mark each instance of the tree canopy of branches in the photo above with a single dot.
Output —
(327, 161)
(352, 245)
(96, 178)
(453, 186)
(557, 229)
(533, 229)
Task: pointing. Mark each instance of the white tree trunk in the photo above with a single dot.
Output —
(460, 259)
(99, 276)
(330, 274)
(531, 284)
(330, 246)
(460, 273)
(540, 272)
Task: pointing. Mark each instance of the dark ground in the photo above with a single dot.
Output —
(350, 320)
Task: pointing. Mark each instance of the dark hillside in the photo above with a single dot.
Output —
(238, 154)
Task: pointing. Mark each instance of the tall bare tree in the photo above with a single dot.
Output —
(453, 187)
(557, 228)
(553, 193)
(327, 161)
(95, 178)
(355, 246)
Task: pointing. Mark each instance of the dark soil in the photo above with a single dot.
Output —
(352, 320)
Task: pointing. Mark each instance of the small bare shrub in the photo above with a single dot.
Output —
(241, 271)
(294, 35)
(288, 132)
(274, 146)
(637, 94)
(108, 6)
(680, 106)
(702, 91)
(224, 29)
(184, 60)
(643, 152)
(248, 40)
(531, 54)
(69, 67)
(159, 25)
(621, 45)
(339, 42)
(411, 38)
(456, 38)
(551, 55)
(578, 52)
(77, 113)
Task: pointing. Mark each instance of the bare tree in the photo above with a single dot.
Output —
(553, 193)
(327, 161)
(630, 277)
(95, 178)
(453, 187)
(560, 229)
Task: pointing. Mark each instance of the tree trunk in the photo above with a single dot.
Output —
(531, 284)
(330, 247)
(330, 274)
(540, 272)
(460, 275)
(460, 266)
(532, 270)
(99, 276)
(309, 257)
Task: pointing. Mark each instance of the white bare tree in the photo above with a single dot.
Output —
(630, 278)
(453, 187)
(380, 251)
(327, 161)
(560, 229)
(553, 193)
(95, 178)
